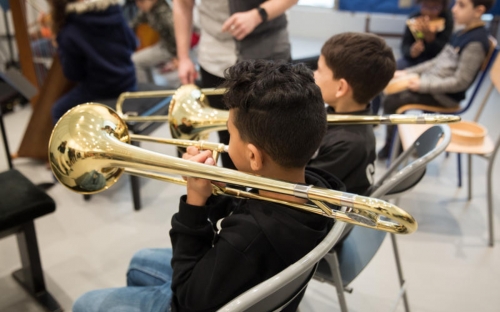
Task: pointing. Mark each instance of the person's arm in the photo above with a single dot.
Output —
(469, 63)
(423, 67)
(407, 42)
(209, 270)
(183, 24)
(241, 24)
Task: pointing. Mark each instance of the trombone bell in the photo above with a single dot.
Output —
(79, 151)
(191, 117)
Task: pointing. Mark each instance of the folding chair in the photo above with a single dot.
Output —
(342, 264)
(276, 293)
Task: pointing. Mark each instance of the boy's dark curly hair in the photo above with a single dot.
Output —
(277, 107)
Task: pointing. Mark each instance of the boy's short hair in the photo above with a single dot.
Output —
(444, 3)
(277, 107)
(365, 61)
(488, 4)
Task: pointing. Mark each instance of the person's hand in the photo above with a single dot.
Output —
(186, 71)
(424, 26)
(399, 73)
(198, 190)
(417, 48)
(414, 84)
(240, 24)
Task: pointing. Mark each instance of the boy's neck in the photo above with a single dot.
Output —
(347, 106)
(287, 175)
(474, 24)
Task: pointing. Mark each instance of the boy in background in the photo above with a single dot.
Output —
(444, 80)
(352, 69)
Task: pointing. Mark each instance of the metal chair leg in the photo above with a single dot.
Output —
(30, 276)
(459, 163)
(400, 271)
(333, 263)
(135, 184)
(469, 178)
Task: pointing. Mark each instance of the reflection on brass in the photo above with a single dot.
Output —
(98, 139)
(191, 118)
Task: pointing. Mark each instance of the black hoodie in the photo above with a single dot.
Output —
(230, 245)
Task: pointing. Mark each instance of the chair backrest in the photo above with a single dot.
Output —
(359, 247)
(488, 61)
(277, 292)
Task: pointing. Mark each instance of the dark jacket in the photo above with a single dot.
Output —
(95, 48)
(348, 153)
(244, 243)
(432, 48)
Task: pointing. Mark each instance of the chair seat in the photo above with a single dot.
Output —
(409, 133)
(21, 201)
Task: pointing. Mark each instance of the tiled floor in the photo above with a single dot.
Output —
(447, 264)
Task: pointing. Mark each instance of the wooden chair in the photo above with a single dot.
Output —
(487, 150)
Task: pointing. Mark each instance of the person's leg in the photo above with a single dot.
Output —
(392, 102)
(146, 58)
(211, 81)
(130, 299)
(150, 267)
(149, 278)
(403, 63)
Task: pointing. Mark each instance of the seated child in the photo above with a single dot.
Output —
(222, 246)
(352, 69)
(94, 45)
(444, 80)
(426, 40)
(158, 15)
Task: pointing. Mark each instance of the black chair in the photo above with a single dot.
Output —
(346, 260)
(140, 107)
(21, 202)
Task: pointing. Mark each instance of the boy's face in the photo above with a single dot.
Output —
(464, 12)
(145, 5)
(237, 147)
(325, 80)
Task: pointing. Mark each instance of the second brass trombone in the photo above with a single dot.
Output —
(191, 118)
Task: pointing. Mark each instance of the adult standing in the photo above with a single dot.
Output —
(231, 31)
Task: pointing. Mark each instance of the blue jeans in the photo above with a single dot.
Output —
(149, 277)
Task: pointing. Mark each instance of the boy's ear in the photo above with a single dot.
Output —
(480, 10)
(343, 88)
(255, 157)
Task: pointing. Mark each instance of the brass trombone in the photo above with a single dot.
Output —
(88, 152)
(190, 116)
